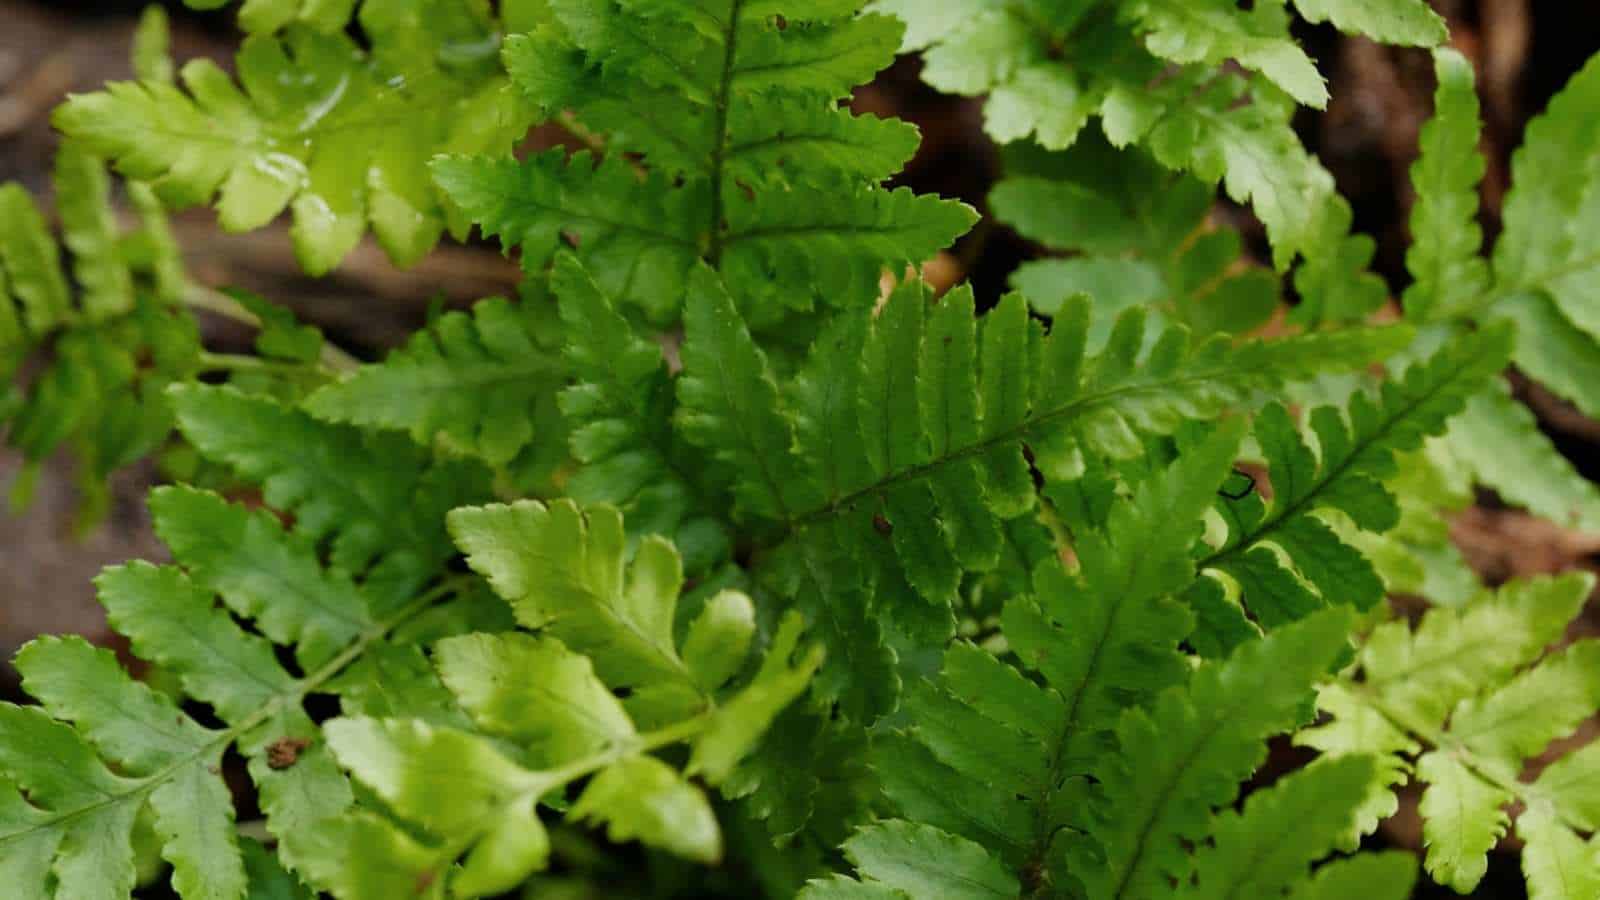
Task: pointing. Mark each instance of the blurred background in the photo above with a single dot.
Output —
(1524, 51)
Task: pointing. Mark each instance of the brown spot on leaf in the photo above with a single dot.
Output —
(883, 525)
(285, 752)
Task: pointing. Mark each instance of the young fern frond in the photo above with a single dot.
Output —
(339, 134)
(603, 627)
(750, 163)
(1284, 559)
(1472, 695)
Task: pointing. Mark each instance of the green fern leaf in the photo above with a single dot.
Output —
(1187, 755)
(1074, 407)
(1498, 440)
(563, 572)
(1446, 237)
(1049, 69)
(1285, 560)
(729, 111)
(1558, 863)
(1250, 857)
(80, 814)
(341, 136)
(728, 404)
(900, 859)
(83, 812)
(377, 500)
(263, 575)
(112, 348)
(1380, 876)
(1456, 691)
(836, 240)
(1404, 22)
(620, 410)
(473, 380)
(271, 15)
(1141, 239)
(1211, 32)
(1103, 639)
(1548, 244)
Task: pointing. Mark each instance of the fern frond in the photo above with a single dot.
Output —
(1458, 693)
(725, 143)
(900, 860)
(1498, 440)
(1270, 844)
(79, 814)
(1103, 639)
(1188, 754)
(1380, 876)
(1213, 31)
(1138, 239)
(619, 408)
(473, 380)
(1284, 558)
(642, 239)
(339, 134)
(92, 393)
(728, 403)
(1446, 238)
(1549, 244)
(934, 472)
(1048, 69)
(377, 500)
(602, 628)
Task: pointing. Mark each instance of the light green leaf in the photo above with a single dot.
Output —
(534, 691)
(563, 569)
(642, 798)
(1446, 238)
(923, 862)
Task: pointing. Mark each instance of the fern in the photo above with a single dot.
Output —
(718, 561)
(494, 354)
(1459, 694)
(749, 163)
(94, 714)
(1048, 68)
(551, 696)
(950, 442)
(92, 393)
(1537, 279)
(1157, 795)
(1285, 560)
(1138, 241)
(340, 135)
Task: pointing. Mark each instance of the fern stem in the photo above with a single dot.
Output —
(239, 362)
(214, 301)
